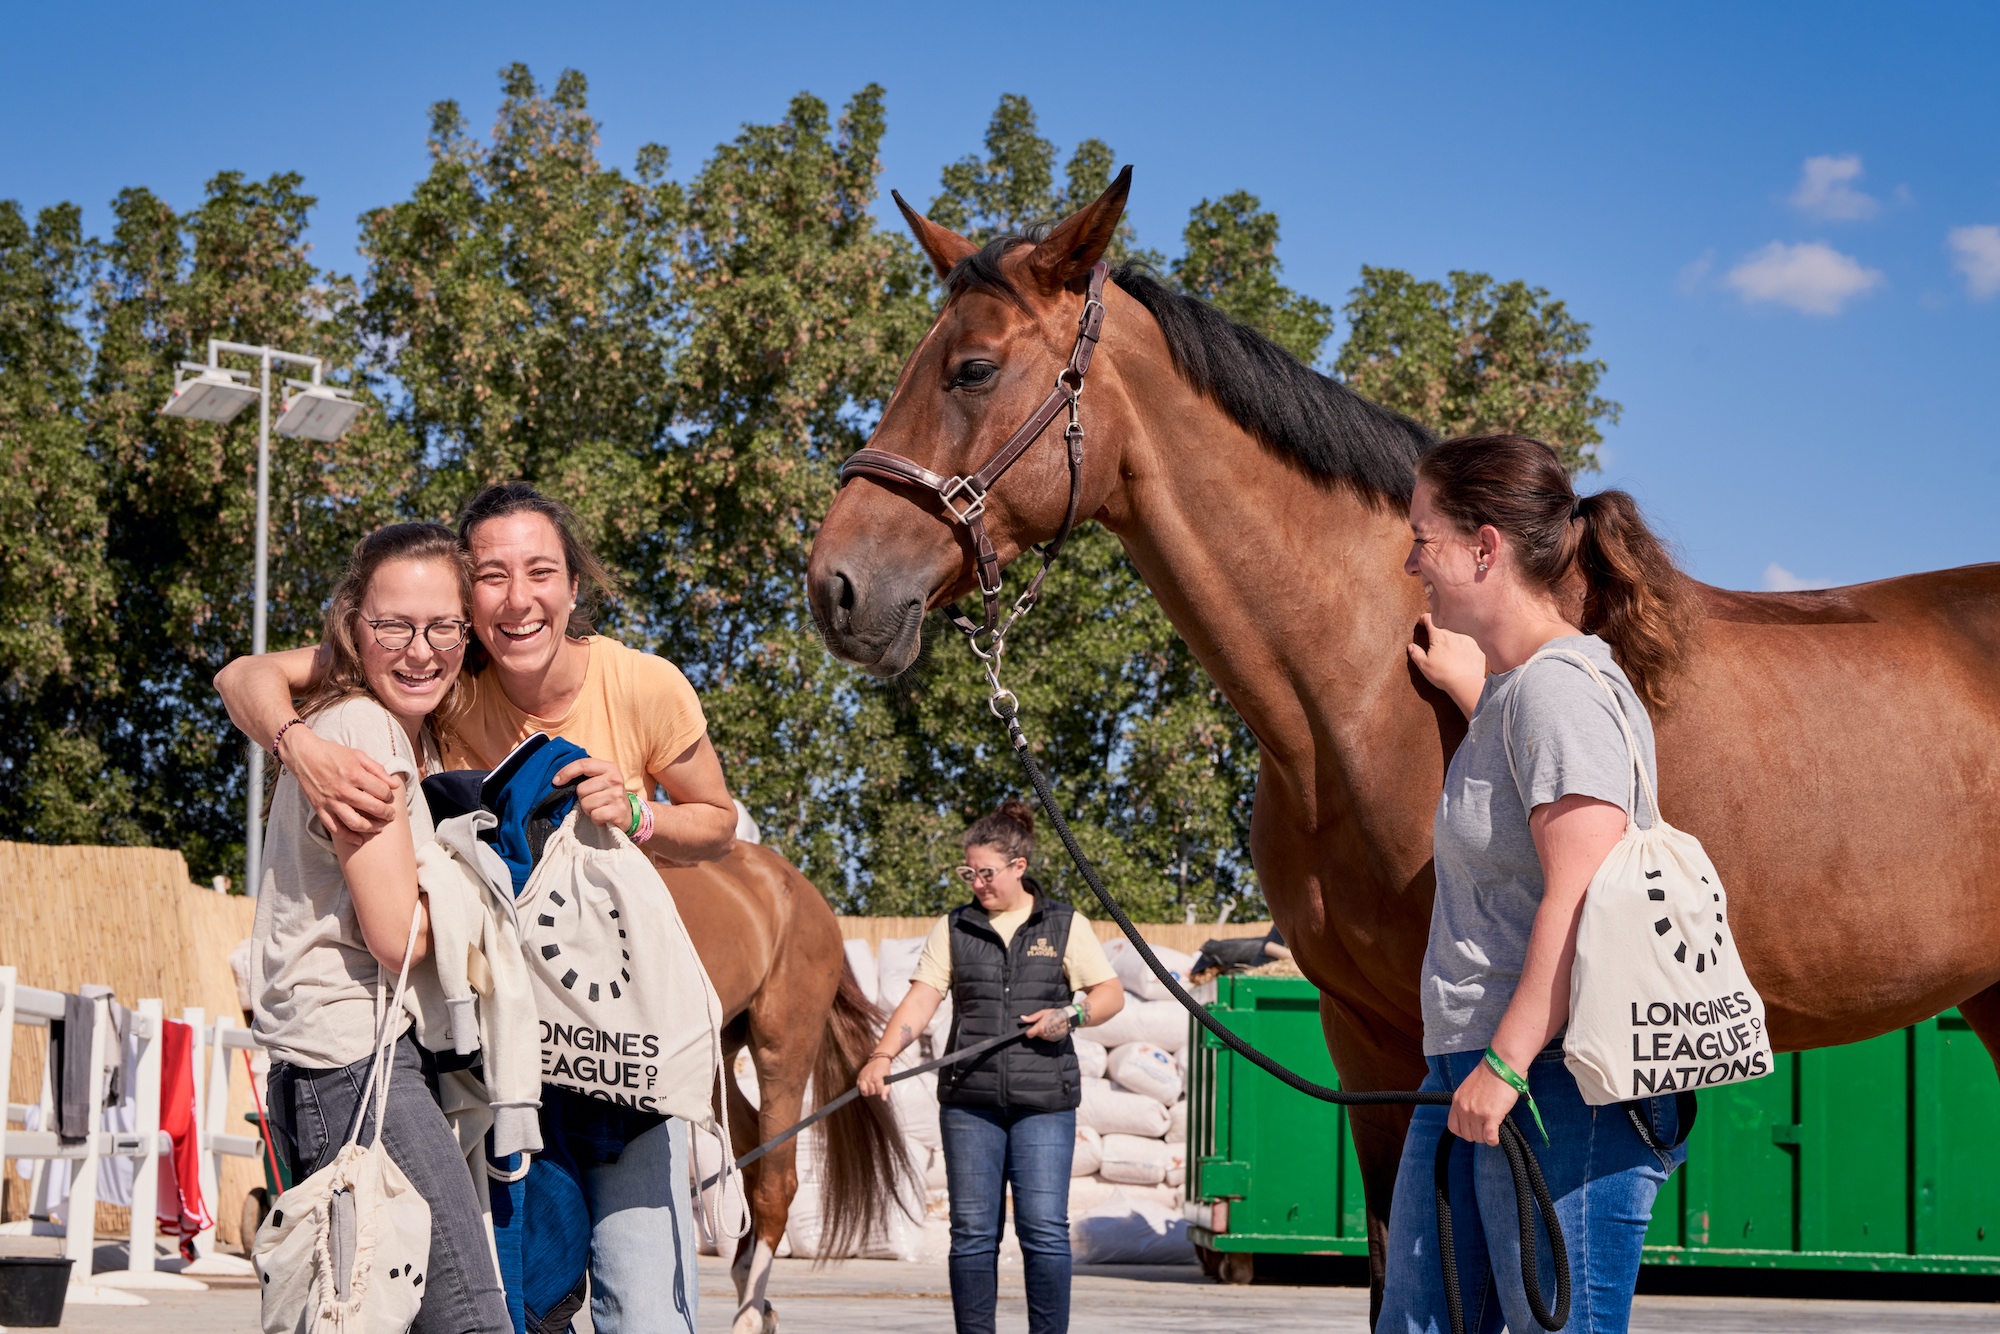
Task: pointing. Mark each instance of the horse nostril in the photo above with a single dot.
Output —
(844, 595)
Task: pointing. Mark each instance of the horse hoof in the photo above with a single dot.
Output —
(770, 1319)
(752, 1321)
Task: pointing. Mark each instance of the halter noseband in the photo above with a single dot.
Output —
(964, 498)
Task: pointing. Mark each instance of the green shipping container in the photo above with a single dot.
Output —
(1882, 1155)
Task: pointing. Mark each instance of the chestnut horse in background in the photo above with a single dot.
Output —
(1837, 752)
(772, 946)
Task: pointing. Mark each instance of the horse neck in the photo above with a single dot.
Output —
(1289, 591)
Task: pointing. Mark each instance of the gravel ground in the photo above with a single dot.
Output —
(884, 1297)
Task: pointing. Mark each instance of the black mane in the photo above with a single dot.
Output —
(1329, 429)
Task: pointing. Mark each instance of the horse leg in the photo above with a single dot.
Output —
(1373, 1056)
(751, 1268)
(1983, 1013)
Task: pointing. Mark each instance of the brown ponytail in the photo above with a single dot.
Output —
(1596, 546)
(1010, 829)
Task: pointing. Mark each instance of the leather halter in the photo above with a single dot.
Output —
(964, 498)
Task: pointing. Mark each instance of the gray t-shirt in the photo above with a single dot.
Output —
(1566, 741)
(312, 978)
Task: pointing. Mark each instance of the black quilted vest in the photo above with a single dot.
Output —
(991, 987)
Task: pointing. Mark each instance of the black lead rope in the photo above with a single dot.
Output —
(821, 1113)
(1528, 1182)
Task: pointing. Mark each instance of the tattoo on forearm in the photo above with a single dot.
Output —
(903, 1031)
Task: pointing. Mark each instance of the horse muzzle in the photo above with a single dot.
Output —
(875, 622)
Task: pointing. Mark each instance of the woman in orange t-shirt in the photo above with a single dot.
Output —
(538, 666)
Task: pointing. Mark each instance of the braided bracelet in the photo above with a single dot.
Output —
(645, 833)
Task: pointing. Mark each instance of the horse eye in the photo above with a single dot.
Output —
(974, 373)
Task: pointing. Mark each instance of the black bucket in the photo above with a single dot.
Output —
(32, 1288)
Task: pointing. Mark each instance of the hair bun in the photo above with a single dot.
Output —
(1019, 812)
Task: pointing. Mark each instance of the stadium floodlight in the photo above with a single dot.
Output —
(317, 412)
(210, 394)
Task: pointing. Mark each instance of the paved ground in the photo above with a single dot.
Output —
(884, 1297)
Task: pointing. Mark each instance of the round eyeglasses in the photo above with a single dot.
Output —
(980, 875)
(443, 636)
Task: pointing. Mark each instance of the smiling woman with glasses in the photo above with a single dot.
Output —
(334, 910)
(1011, 957)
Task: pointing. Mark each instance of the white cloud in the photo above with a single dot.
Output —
(1978, 251)
(1824, 192)
(1811, 277)
(1778, 579)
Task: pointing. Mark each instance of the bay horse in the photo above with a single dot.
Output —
(1837, 752)
(772, 946)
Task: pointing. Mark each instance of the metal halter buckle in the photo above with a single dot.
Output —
(962, 486)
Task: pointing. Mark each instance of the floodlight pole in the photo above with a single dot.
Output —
(253, 815)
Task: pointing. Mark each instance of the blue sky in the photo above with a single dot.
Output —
(1782, 221)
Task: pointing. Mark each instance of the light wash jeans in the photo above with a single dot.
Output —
(642, 1236)
(986, 1150)
(1603, 1178)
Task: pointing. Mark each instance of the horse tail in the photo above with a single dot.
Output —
(866, 1162)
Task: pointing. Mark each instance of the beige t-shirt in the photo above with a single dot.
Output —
(1084, 964)
(635, 709)
(312, 979)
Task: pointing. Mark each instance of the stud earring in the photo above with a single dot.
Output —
(1481, 567)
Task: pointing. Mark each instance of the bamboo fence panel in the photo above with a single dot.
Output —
(129, 919)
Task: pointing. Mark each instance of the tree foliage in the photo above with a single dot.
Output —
(685, 362)
(1470, 356)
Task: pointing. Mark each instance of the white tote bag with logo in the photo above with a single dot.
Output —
(1659, 1002)
(627, 1011)
(344, 1251)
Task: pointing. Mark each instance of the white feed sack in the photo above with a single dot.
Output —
(1140, 1067)
(1177, 1122)
(1140, 984)
(1130, 1227)
(861, 962)
(914, 1100)
(1162, 1023)
(1090, 1057)
(745, 1071)
(1089, 1152)
(897, 959)
(1110, 1110)
(1130, 1160)
(1086, 1193)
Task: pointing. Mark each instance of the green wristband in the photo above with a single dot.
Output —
(1519, 1084)
(1077, 1009)
(638, 814)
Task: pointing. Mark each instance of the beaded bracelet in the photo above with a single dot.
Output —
(279, 738)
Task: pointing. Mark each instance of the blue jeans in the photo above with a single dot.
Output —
(1603, 1178)
(985, 1149)
(642, 1238)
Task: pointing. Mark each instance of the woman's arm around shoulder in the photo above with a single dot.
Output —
(345, 788)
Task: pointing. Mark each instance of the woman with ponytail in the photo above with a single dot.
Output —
(1514, 562)
(1011, 957)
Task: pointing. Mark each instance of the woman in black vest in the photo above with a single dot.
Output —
(1013, 956)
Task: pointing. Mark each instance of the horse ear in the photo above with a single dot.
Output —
(944, 246)
(1081, 239)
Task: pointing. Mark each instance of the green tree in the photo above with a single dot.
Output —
(1471, 356)
(1231, 262)
(180, 500)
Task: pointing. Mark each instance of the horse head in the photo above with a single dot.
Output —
(889, 550)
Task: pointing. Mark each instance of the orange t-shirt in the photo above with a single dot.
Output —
(635, 709)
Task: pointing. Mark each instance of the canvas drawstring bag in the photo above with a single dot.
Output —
(1659, 1002)
(344, 1251)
